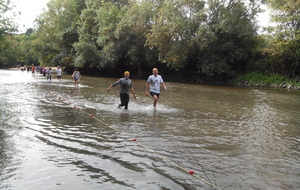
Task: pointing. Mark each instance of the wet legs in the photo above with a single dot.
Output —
(124, 100)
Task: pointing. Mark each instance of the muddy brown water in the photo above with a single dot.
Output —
(232, 137)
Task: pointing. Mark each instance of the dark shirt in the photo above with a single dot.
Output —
(125, 85)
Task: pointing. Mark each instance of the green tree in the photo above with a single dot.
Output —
(284, 39)
(124, 41)
(9, 48)
(24, 53)
(108, 17)
(230, 37)
(97, 26)
(7, 27)
(211, 38)
(174, 27)
(57, 31)
(88, 52)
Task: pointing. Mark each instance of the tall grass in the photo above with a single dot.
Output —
(256, 78)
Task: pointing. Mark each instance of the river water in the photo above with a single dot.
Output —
(57, 136)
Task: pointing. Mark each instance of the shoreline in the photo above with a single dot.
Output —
(279, 85)
(284, 85)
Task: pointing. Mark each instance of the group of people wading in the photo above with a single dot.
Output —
(152, 86)
(46, 71)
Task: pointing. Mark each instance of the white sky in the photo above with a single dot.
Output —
(263, 18)
(30, 9)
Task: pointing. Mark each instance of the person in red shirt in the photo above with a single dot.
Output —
(33, 70)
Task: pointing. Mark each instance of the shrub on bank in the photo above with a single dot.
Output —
(268, 80)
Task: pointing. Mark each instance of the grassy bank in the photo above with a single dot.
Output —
(267, 80)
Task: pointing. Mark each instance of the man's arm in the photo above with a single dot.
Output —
(163, 84)
(114, 84)
(147, 88)
(108, 89)
(132, 90)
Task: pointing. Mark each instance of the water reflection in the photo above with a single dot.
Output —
(238, 138)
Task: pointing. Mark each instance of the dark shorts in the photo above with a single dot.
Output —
(153, 93)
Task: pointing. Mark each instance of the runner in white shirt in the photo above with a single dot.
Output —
(153, 86)
(58, 73)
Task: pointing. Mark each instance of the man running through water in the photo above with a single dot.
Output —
(153, 84)
(125, 86)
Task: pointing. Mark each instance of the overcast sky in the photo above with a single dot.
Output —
(30, 9)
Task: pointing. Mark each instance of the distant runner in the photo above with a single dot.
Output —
(77, 76)
(45, 71)
(33, 70)
(125, 86)
(49, 73)
(58, 73)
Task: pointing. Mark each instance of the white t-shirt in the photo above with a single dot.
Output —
(58, 72)
(155, 83)
(49, 72)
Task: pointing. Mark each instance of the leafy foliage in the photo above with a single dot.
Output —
(199, 38)
(7, 27)
(57, 31)
(283, 45)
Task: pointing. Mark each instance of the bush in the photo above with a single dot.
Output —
(256, 78)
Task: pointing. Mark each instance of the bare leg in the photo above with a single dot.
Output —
(155, 99)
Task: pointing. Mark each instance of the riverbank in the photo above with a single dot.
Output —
(267, 80)
(254, 79)
(19, 68)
